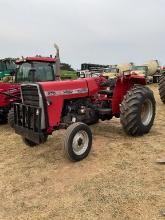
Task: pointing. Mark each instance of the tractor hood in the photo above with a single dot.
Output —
(71, 88)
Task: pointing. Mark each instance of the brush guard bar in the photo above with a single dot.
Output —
(27, 122)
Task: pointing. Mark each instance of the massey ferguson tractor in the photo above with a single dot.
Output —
(75, 104)
(162, 85)
(31, 69)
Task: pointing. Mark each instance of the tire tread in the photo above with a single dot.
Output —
(162, 88)
(129, 110)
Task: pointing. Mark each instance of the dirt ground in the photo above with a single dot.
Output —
(118, 180)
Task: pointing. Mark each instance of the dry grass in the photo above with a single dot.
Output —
(118, 180)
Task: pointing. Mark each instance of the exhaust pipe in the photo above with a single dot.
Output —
(57, 66)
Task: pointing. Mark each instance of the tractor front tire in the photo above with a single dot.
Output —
(3, 119)
(162, 87)
(77, 141)
(10, 118)
(28, 142)
(137, 111)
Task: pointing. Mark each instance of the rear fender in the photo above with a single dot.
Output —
(123, 85)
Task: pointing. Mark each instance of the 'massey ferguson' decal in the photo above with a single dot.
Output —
(66, 92)
(12, 90)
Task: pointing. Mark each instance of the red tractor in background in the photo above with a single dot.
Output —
(75, 104)
(30, 69)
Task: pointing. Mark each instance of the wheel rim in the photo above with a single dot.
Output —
(80, 142)
(146, 112)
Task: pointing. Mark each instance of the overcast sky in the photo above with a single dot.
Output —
(97, 31)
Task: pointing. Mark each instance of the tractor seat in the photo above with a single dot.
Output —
(106, 92)
(109, 83)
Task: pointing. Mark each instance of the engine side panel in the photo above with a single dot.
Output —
(93, 85)
(57, 92)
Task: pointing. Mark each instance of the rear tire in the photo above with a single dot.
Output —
(162, 88)
(10, 118)
(77, 141)
(137, 111)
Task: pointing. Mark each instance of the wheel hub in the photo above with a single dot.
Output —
(80, 142)
(146, 112)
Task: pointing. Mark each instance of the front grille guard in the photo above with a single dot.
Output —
(28, 117)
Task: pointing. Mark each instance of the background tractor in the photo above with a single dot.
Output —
(75, 104)
(30, 69)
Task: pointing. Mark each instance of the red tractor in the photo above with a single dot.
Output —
(30, 69)
(49, 106)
